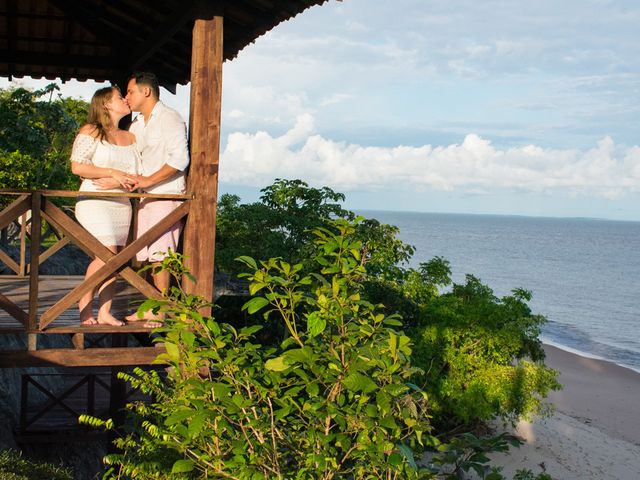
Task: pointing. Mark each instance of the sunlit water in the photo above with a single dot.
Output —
(584, 273)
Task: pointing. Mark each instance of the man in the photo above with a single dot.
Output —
(161, 135)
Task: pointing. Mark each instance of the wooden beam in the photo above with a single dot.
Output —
(70, 357)
(53, 249)
(182, 14)
(91, 19)
(23, 245)
(15, 209)
(34, 258)
(12, 7)
(45, 59)
(14, 310)
(9, 262)
(206, 100)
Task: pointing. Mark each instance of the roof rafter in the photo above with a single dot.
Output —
(182, 14)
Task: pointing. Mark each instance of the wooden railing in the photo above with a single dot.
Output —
(66, 230)
(55, 401)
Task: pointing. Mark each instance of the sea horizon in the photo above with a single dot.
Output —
(363, 211)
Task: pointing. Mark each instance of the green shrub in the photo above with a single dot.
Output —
(481, 355)
(14, 467)
(331, 400)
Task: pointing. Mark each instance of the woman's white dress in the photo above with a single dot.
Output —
(107, 219)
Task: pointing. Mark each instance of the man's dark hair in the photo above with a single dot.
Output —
(147, 79)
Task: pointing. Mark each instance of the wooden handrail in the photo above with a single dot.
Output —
(68, 230)
(76, 194)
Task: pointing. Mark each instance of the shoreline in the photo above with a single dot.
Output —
(595, 430)
(581, 353)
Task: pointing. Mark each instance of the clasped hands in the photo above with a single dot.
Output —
(128, 182)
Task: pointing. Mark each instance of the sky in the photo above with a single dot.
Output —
(495, 107)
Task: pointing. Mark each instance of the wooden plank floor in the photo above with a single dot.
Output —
(52, 289)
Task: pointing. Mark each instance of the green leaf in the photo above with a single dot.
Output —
(221, 389)
(356, 382)
(255, 287)
(247, 261)
(312, 389)
(392, 343)
(392, 322)
(315, 324)
(276, 364)
(388, 422)
(172, 351)
(255, 304)
(407, 453)
(182, 466)
(196, 424)
(178, 416)
(298, 355)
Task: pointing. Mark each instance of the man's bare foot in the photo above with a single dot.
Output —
(152, 324)
(89, 321)
(108, 319)
(148, 315)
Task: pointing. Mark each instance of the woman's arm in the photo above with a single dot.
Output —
(108, 177)
(84, 147)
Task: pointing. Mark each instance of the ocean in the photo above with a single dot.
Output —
(584, 274)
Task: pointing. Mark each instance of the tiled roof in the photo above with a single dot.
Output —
(107, 39)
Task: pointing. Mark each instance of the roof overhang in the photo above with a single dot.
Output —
(105, 40)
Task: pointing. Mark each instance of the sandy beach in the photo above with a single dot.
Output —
(595, 432)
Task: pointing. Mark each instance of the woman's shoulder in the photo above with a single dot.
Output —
(89, 130)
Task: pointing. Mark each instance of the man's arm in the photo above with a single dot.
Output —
(161, 175)
(174, 130)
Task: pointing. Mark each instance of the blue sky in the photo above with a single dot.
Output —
(500, 106)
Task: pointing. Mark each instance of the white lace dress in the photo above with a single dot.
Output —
(106, 219)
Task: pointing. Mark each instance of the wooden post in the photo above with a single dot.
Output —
(117, 394)
(34, 260)
(204, 122)
(23, 245)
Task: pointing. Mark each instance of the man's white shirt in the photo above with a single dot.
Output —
(162, 139)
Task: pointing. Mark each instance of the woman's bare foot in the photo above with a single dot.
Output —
(89, 321)
(108, 319)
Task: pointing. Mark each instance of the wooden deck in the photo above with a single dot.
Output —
(53, 288)
(76, 345)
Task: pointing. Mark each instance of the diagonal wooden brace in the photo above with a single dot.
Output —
(91, 246)
(15, 209)
(14, 310)
(111, 264)
(10, 213)
(9, 262)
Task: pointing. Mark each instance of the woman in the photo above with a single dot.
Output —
(103, 151)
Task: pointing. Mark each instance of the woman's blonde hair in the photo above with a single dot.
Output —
(98, 115)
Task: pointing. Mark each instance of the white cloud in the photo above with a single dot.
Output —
(335, 98)
(473, 166)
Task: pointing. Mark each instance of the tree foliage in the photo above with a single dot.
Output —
(280, 225)
(481, 355)
(36, 135)
(332, 399)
